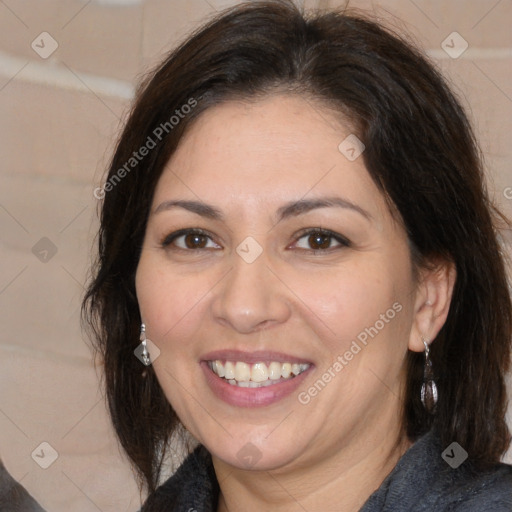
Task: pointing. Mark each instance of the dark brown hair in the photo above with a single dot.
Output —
(421, 153)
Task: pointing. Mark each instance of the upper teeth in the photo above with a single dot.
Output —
(258, 372)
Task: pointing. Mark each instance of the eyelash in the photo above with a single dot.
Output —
(342, 241)
(169, 239)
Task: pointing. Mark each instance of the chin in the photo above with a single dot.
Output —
(256, 450)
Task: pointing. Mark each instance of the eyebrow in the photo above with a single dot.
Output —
(203, 209)
(291, 209)
(305, 205)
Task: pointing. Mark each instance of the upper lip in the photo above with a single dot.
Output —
(257, 356)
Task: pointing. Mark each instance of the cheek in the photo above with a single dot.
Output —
(363, 320)
(172, 304)
(347, 301)
(172, 307)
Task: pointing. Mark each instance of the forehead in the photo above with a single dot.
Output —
(282, 147)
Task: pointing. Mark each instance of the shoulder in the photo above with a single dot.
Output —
(193, 486)
(430, 478)
(471, 490)
(457, 484)
(13, 496)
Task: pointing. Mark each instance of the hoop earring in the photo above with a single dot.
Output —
(145, 354)
(429, 393)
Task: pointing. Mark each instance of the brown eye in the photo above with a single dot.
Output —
(189, 239)
(195, 241)
(319, 241)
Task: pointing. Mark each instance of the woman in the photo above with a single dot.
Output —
(297, 246)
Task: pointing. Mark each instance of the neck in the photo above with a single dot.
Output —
(343, 481)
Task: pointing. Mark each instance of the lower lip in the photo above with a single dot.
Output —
(251, 397)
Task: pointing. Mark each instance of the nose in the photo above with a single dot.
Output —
(250, 297)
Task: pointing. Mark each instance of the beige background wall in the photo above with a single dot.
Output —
(60, 114)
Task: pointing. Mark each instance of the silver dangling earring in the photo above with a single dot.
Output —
(428, 388)
(145, 354)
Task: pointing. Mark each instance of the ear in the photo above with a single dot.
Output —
(433, 297)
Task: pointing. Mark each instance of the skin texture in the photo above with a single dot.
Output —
(248, 159)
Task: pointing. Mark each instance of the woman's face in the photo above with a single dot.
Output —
(270, 253)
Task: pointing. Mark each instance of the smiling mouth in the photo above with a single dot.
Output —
(245, 375)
